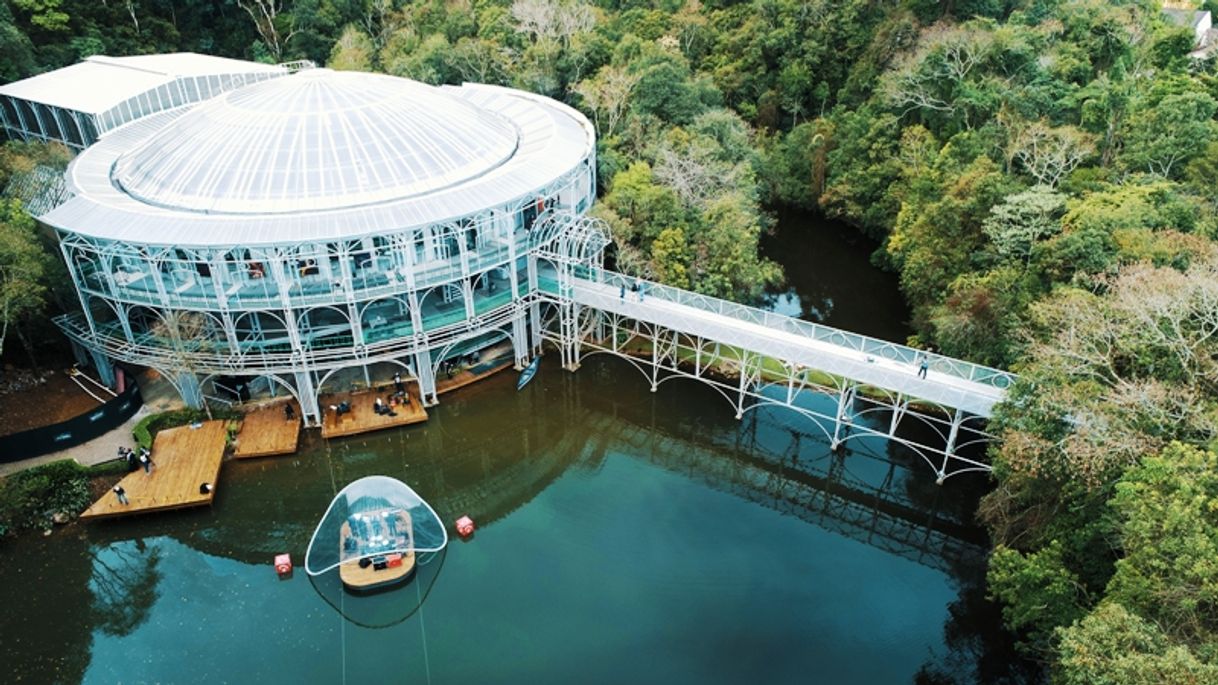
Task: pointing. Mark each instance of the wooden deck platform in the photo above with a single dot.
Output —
(362, 418)
(184, 459)
(466, 377)
(265, 432)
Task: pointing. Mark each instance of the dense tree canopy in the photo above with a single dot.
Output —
(1043, 175)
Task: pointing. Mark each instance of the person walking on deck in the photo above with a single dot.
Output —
(923, 365)
(121, 494)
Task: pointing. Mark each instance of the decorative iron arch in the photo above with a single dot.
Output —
(571, 238)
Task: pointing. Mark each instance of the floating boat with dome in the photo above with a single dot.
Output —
(374, 533)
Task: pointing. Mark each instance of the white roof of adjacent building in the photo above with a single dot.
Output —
(100, 83)
(320, 155)
(318, 140)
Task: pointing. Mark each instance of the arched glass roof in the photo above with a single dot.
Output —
(318, 139)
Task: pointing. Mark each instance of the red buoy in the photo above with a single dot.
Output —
(283, 565)
(465, 526)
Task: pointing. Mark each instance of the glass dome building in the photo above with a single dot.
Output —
(300, 224)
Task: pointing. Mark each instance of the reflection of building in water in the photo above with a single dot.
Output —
(868, 497)
(280, 225)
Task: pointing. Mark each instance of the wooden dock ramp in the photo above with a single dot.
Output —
(266, 431)
(471, 375)
(185, 458)
(362, 418)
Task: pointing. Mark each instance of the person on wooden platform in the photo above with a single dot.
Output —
(289, 413)
(121, 494)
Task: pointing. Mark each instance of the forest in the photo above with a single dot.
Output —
(1041, 174)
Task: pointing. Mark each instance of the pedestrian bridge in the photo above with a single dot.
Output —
(757, 358)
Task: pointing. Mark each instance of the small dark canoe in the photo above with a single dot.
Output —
(528, 373)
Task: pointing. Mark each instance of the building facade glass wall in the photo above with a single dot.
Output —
(298, 311)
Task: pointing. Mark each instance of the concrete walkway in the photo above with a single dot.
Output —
(159, 395)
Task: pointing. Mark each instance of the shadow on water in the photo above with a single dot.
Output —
(830, 278)
(385, 608)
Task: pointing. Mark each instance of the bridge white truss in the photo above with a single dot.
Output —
(755, 358)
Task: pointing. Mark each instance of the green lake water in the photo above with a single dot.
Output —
(623, 536)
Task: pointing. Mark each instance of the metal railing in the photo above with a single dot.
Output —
(268, 356)
(369, 284)
(611, 282)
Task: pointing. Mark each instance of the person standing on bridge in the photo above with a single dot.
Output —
(923, 365)
(642, 289)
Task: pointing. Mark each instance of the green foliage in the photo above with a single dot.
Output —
(145, 431)
(1164, 135)
(1038, 591)
(24, 265)
(29, 498)
(1158, 623)
(1022, 220)
(1168, 505)
(1112, 646)
(353, 51)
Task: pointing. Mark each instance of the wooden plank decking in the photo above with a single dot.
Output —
(184, 458)
(266, 432)
(466, 377)
(362, 418)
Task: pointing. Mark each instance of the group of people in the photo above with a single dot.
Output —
(136, 460)
(636, 288)
(383, 408)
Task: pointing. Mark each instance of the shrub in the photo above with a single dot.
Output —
(145, 431)
(29, 498)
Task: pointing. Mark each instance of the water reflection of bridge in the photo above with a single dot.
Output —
(771, 459)
(876, 505)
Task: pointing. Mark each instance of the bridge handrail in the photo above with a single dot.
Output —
(874, 347)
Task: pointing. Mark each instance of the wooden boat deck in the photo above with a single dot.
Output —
(466, 377)
(362, 418)
(265, 432)
(365, 578)
(184, 459)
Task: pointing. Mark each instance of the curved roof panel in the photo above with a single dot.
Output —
(552, 141)
(98, 83)
(319, 139)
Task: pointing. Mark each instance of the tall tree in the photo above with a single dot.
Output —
(23, 267)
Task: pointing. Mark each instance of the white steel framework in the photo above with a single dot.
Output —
(420, 250)
(755, 358)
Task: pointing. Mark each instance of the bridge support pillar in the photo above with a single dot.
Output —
(426, 377)
(520, 342)
(105, 368)
(190, 389)
(898, 413)
(746, 379)
(306, 392)
(950, 450)
(841, 417)
(568, 322)
(535, 328)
